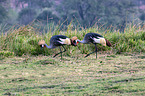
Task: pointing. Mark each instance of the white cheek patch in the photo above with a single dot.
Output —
(76, 40)
(42, 45)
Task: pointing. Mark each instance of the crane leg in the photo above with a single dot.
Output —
(92, 52)
(96, 50)
(63, 48)
(60, 51)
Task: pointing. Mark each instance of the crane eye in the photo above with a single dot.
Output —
(42, 46)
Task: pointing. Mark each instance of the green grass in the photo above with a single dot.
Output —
(27, 70)
(4, 54)
(110, 75)
(24, 40)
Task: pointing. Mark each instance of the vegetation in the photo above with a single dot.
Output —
(24, 41)
(3, 12)
(26, 69)
(110, 75)
(115, 14)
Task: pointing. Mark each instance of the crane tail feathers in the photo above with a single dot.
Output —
(108, 43)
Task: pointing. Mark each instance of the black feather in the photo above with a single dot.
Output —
(88, 37)
(54, 40)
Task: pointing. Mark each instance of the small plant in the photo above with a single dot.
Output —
(4, 54)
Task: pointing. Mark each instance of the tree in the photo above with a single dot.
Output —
(47, 16)
(119, 13)
(33, 8)
(78, 9)
(35, 3)
(3, 12)
(100, 12)
(26, 16)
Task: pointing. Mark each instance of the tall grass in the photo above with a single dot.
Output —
(24, 40)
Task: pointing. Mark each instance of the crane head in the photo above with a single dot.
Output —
(41, 43)
(74, 41)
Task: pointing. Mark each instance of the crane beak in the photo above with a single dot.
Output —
(42, 46)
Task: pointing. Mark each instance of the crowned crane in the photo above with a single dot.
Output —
(94, 38)
(58, 41)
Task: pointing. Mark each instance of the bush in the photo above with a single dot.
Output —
(24, 40)
(4, 54)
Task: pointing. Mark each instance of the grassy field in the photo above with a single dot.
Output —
(25, 69)
(111, 75)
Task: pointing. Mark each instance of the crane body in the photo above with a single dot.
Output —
(58, 41)
(94, 38)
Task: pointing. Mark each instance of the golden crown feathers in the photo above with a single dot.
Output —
(41, 42)
(74, 38)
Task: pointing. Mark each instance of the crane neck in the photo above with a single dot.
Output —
(83, 41)
(50, 46)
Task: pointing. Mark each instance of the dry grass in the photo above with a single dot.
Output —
(110, 75)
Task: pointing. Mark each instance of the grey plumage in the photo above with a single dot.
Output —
(58, 41)
(94, 38)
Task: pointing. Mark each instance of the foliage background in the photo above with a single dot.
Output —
(113, 14)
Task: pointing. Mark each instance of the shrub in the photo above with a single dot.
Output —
(4, 54)
(24, 40)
